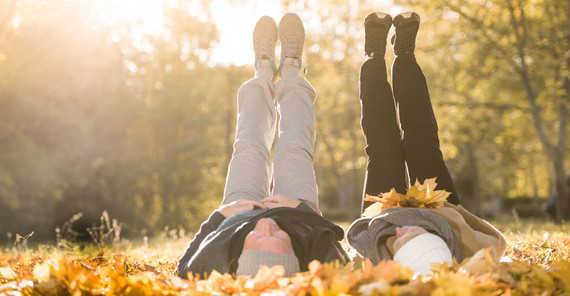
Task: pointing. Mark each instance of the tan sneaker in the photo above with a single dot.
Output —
(292, 37)
(264, 41)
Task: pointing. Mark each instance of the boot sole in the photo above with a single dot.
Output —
(406, 18)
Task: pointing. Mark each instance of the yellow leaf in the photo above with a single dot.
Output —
(46, 288)
(373, 210)
(417, 191)
(7, 274)
(42, 272)
(372, 198)
(453, 284)
(539, 278)
(375, 288)
(562, 269)
(439, 196)
(480, 263)
(266, 278)
(418, 196)
(518, 267)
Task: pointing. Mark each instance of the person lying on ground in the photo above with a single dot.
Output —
(254, 226)
(402, 144)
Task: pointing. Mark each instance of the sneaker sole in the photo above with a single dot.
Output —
(406, 18)
(378, 17)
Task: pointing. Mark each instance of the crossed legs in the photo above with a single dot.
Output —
(250, 171)
(392, 156)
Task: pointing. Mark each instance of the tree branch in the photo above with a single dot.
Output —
(493, 106)
(523, 72)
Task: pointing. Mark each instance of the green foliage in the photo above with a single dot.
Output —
(499, 75)
(99, 115)
(93, 121)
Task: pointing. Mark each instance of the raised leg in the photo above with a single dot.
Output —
(421, 143)
(386, 167)
(294, 173)
(249, 172)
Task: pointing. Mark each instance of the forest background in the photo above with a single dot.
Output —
(99, 114)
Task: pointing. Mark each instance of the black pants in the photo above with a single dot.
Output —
(391, 157)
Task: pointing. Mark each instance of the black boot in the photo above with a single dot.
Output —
(407, 25)
(376, 27)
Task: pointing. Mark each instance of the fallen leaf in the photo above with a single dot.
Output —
(562, 269)
(266, 278)
(7, 274)
(372, 210)
(418, 196)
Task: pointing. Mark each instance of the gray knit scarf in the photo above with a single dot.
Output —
(368, 235)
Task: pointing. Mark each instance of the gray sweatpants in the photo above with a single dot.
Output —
(250, 170)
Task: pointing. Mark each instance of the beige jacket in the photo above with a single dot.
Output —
(473, 232)
(464, 233)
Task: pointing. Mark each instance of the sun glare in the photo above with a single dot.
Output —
(234, 22)
(147, 14)
(236, 28)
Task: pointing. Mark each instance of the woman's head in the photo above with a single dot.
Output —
(418, 249)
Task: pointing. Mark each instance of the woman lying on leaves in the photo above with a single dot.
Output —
(254, 226)
(421, 227)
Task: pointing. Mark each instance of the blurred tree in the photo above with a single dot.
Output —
(100, 116)
(515, 55)
(58, 80)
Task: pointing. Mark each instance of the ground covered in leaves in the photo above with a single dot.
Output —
(537, 263)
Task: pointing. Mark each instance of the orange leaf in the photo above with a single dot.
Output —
(7, 274)
(315, 267)
(266, 278)
(372, 198)
(418, 196)
(42, 272)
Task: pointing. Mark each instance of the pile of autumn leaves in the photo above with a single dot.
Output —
(535, 267)
(118, 274)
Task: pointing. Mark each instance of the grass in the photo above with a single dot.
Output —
(538, 250)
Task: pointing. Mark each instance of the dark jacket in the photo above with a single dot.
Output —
(219, 242)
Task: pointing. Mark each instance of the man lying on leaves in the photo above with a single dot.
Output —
(253, 226)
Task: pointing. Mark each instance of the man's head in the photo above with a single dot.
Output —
(269, 245)
(267, 236)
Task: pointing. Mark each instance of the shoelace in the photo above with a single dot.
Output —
(264, 48)
(291, 47)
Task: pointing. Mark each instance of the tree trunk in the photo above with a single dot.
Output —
(554, 149)
(475, 202)
(561, 192)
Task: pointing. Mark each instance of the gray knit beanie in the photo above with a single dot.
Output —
(250, 260)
